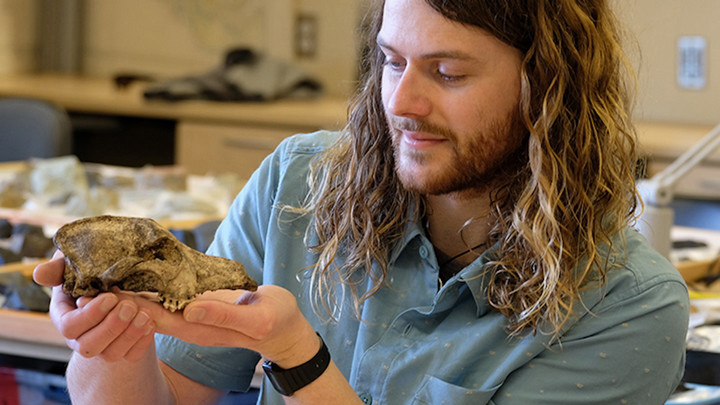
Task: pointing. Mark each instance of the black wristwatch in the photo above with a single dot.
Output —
(286, 382)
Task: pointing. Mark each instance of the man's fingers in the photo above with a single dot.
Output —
(98, 339)
(50, 273)
(249, 321)
(73, 322)
(132, 342)
(110, 326)
(83, 301)
(229, 296)
(138, 350)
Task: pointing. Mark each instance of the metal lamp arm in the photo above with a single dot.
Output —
(656, 219)
(658, 190)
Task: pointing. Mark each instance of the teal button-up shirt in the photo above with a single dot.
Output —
(420, 344)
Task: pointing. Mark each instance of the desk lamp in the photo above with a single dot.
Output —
(656, 220)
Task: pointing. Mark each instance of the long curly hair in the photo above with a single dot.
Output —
(575, 191)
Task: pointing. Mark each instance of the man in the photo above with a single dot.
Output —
(464, 240)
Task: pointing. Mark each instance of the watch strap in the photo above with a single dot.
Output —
(288, 381)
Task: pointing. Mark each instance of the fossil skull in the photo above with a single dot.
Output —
(137, 254)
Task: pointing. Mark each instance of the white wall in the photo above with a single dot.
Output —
(168, 38)
(158, 36)
(657, 25)
(179, 37)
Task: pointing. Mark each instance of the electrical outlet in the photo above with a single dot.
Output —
(306, 35)
(692, 62)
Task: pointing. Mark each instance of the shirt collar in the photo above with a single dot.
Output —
(475, 275)
(412, 230)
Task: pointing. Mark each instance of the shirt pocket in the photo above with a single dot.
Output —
(434, 391)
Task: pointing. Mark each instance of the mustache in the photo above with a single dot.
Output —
(409, 124)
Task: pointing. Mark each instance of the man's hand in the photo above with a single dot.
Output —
(109, 326)
(267, 321)
(120, 325)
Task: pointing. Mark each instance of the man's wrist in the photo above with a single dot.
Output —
(287, 381)
(299, 353)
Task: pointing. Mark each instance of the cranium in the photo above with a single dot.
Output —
(137, 254)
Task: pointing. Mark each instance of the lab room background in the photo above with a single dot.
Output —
(181, 37)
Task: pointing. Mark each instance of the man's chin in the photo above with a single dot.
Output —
(425, 185)
(442, 184)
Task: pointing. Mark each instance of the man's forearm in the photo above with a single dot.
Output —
(95, 381)
(330, 388)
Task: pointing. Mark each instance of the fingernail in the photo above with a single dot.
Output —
(141, 319)
(195, 315)
(108, 302)
(126, 312)
(83, 301)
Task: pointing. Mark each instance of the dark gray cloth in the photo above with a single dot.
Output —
(245, 76)
(22, 294)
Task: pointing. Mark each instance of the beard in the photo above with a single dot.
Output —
(470, 163)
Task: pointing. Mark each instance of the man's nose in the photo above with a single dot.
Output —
(409, 96)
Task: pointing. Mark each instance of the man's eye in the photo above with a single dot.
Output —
(449, 77)
(394, 64)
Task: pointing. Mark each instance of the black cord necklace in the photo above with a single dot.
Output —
(461, 254)
(449, 260)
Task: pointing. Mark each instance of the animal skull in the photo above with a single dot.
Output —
(137, 254)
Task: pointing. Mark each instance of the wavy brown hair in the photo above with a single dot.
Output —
(575, 192)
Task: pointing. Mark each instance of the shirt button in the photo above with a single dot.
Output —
(423, 252)
(366, 398)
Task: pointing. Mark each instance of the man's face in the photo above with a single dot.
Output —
(450, 93)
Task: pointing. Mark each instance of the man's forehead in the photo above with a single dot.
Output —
(413, 27)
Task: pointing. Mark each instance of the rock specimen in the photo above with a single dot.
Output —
(137, 254)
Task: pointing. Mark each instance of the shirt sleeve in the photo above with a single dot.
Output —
(219, 367)
(629, 350)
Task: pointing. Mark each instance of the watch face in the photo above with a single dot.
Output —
(276, 379)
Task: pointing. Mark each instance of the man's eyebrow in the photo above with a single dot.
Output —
(458, 55)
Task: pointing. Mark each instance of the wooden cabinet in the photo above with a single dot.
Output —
(204, 148)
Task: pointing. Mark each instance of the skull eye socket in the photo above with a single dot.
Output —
(163, 250)
(95, 284)
(141, 281)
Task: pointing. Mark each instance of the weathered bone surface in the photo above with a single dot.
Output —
(137, 254)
